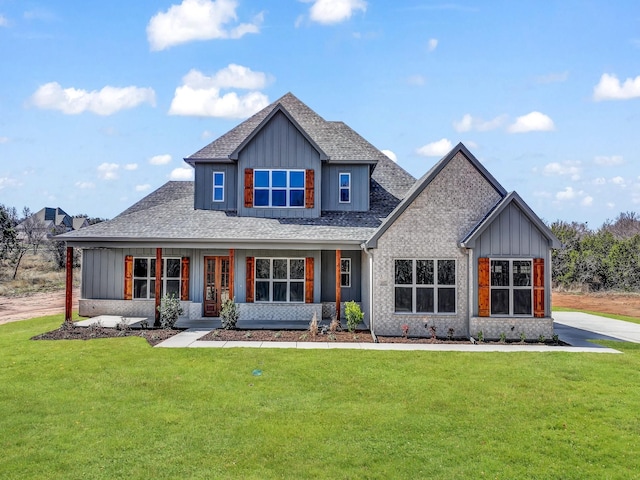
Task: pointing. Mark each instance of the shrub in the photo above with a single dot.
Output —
(313, 325)
(354, 315)
(405, 330)
(334, 326)
(229, 314)
(169, 309)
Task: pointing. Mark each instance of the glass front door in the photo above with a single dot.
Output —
(216, 284)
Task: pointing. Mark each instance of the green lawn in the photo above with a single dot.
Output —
(117, 408)
(608, 315)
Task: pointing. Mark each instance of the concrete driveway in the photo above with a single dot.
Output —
(576, 328)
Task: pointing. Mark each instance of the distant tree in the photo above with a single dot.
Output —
(57, 249)
(34, 231)
(626, 225)
(92, 220)
(8, 223)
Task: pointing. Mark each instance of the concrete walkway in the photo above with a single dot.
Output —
(576, 328)
(191, 339)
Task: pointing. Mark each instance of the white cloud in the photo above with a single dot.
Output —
(198, 20)
(433, 44)
(587, 201)
(143, 188)
(468, 123)
(391, 155)
(131, 166)
(570, 168)
(599, 181)
(108, 171)
(335, 11)
(107, 101)
(568, 194)
(611, 204)
(160, 159)
(206, 134)
(532, 122)
(199, 95)
(619, 181)
(4, 139)
(416, 80)
(542, 194)
(181, 173)
(608, 161)
(8, 182)
(3, 21)
(609, 88)
(85, 185)
(435, 149)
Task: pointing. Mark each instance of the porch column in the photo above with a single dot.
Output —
(338, 281)
(68, 300)
(158, 285)
(232, 269)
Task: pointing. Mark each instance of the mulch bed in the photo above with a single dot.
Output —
(221, 335)
(153, 336)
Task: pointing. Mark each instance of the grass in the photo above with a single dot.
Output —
(117, 408)
(607, 315)
(36, 274)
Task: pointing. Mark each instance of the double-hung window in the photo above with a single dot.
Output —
(218, 186)
(425, 286)
(144, 277)
(279, 280)
(511, 290)
(345, 272)
(278, 188)
(345, 187)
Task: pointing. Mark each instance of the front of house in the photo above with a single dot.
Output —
(291, 215)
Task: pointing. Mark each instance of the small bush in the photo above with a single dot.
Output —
(354, 315)
(503, 337)
(229, 314)
(169, 309)
(405, 330)
(313, 325)
(334, 326)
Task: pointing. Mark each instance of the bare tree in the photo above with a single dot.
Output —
(626, 225)
(33, 229)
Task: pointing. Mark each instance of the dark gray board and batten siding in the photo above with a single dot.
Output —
(203, 198)
(359, 188)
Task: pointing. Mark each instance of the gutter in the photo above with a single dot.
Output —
(370, 255)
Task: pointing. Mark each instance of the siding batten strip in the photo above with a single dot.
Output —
(158, 285)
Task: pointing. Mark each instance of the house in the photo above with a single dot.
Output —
(48, 220)
(291, 215)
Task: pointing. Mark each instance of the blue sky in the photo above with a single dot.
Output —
(101, 101)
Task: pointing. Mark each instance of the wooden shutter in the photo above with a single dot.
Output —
(308, 280)
(309, 184)
(484, 280)
(250, 278)
(538, 287)
(248, 187)
(128, 277)
(184, 279)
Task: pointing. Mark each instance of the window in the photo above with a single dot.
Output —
(345, 187)
(511, 291)
(218, 186)
(144, 277)
(279, 280)
(425, 286)
(278, 188)
(345, 272)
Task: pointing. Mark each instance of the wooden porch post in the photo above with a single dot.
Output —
(158, 285)
(232, 268)
(68, 301)
(338, 281)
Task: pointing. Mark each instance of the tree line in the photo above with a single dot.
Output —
(607, 258)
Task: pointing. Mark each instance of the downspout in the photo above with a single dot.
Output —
(370, 255)
(470, 289)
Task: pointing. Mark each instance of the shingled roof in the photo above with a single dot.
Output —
(335, 139)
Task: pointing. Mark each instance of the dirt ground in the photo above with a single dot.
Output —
(24, 307)
(21, 308)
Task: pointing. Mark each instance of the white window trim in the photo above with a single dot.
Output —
(414, 286)
(348, 272)
(213, 193)
(511, 287)
(287, 188)
(340, 187)
(271, 280)
(148, 278)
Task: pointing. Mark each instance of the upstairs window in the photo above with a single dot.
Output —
(278, 188)
(144, 277)
(218, 186)
(511, 287)
(345, 187)
(425, 286)
(345, 272)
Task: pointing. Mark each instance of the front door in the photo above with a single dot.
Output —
(216, 284)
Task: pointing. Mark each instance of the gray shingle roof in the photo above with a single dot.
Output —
(336, 139)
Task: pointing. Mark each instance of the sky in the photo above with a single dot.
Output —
(100, 102)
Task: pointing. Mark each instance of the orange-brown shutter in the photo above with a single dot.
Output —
(538, 287)
(250, 277)
(248, 187)
(308, 280)
(128, 277)
(184, 279)
(484, 279)
(309, 188)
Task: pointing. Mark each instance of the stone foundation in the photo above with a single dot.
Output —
(419, 325)
(512, 328)
(270, 312)
(131, 308)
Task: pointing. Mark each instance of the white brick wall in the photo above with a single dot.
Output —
(431, 227)
(493, 327)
